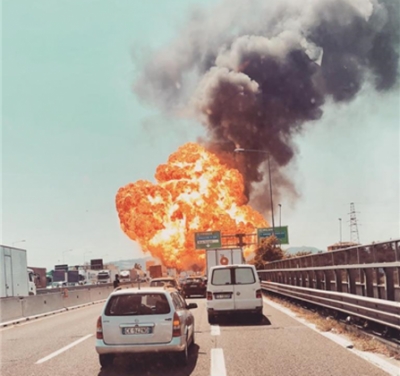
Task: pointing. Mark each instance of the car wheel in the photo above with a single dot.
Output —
(211, 319)
(183, 356)
(106, 360)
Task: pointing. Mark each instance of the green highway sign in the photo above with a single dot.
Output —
(280, 232)
(207, 240)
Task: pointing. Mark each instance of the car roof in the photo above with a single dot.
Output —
(163, 279)
(142, 290)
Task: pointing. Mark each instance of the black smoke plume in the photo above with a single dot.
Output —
(256, 72)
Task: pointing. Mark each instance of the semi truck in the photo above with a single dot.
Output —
(16, 279)
(40, 276)
(223, 256)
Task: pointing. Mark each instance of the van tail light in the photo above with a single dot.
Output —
(176, 326)
(258, 294)
(209, 295)
(99, 329)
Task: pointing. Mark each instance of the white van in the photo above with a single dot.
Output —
(233, 288)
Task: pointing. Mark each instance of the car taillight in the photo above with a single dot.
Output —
(99, 329)
(258, 294)
(209, 295)
(176, 326)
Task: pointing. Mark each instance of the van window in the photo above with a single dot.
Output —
(244, 276)
(221, 277)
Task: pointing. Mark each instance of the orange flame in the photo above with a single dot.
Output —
(195, 192)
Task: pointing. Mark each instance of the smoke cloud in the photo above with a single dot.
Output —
(256, 72)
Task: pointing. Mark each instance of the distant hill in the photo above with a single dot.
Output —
(294, 250)
(130, 263)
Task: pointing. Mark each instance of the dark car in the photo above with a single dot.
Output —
(195, 286)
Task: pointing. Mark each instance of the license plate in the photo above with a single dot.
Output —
(193, 286)
(137, 330)
(222, 296)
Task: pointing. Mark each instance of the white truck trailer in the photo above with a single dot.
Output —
(224, 256)
(16, 279)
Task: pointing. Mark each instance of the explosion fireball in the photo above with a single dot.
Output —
(194, 192)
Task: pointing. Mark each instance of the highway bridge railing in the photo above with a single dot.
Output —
(361, 281)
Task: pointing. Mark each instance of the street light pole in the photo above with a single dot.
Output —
(241, 150)
(280, 215)
(340, 229)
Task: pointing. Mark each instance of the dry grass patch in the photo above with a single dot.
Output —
(360, 341)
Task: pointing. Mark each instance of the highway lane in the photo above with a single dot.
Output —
(280, 346)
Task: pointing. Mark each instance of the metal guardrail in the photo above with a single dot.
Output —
(381, 311)
(363, 281)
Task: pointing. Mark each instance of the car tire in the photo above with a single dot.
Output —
(183, 356)
(211, 319)
(106, 360)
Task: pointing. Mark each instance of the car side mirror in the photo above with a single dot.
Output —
(191, 306)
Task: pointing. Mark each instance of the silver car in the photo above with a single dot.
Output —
(145, 320)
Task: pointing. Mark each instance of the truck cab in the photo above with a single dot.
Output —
(31, 282)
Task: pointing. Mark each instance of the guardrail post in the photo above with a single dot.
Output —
(338, 280)
(327, 276)
(304, 279)
(298, 278)
(351, 273)
(389, 283)
(318, 280)
(369, 282)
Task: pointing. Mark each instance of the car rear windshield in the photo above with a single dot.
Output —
(162, 283)
(233, 276)
(138, 304)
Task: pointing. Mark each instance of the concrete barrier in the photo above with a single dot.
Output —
(10, 308)
(35, 305)
(76, 297)
(14, 310)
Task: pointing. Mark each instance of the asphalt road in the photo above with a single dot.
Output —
(63, 345)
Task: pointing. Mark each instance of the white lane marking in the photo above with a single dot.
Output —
(215, 330)
(58, 352)
(379, 361)
(217, 363)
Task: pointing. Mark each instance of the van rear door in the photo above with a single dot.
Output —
(221, 286)
(246, 285)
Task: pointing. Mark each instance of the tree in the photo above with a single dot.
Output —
(268, 251)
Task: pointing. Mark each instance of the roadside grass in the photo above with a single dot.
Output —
(360, 341)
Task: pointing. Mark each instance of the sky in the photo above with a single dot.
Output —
(74, 132)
